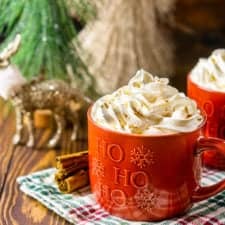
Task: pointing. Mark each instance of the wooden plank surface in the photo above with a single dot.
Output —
(15, 207)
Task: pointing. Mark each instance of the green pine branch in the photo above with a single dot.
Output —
(47, 39)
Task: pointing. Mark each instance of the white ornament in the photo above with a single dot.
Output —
(11, 80)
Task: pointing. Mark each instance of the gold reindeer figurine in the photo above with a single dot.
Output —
(65, 102)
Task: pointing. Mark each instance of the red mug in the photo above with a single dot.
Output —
(213, 103)
(148, 178)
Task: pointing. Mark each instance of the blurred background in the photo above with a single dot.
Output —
(199, 29)
(112, 39)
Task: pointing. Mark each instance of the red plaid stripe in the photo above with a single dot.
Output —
(88, 213)
(197, 219)
(212, 221)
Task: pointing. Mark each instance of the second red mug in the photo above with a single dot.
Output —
(213, 103)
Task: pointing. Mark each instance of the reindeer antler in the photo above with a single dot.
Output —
(9, 51)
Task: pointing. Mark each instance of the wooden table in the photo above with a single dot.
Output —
(15, 206)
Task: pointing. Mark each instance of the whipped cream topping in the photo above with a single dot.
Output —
(147, 105)
(210, 73)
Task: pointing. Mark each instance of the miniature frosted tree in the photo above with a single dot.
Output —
(126, 36)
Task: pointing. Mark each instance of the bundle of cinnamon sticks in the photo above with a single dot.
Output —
(72, 171)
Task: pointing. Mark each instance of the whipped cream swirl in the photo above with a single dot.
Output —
(147, 105)
(210, 73)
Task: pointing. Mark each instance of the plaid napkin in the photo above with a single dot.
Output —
(81, 207)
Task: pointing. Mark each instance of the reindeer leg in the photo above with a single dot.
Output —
(74, 132)
(30, 127)
(75, 127)
(19, 126)
(60, 126)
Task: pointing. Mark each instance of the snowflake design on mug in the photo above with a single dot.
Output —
(145, 198)
(142, 156)
(98, 168)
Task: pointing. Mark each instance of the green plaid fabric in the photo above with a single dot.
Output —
(81, 208)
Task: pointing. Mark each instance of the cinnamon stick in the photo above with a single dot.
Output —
(76, 181)
(72, 160)
(72, 171)
(64, 173)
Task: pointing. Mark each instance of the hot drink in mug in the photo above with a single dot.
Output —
(145, 144)
(206, 85)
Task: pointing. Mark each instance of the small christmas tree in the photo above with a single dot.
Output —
(47, 32)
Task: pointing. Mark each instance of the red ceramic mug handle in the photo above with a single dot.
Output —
(209, 144)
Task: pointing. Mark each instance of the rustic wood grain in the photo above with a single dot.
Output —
(6, 148)
(15, 207)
